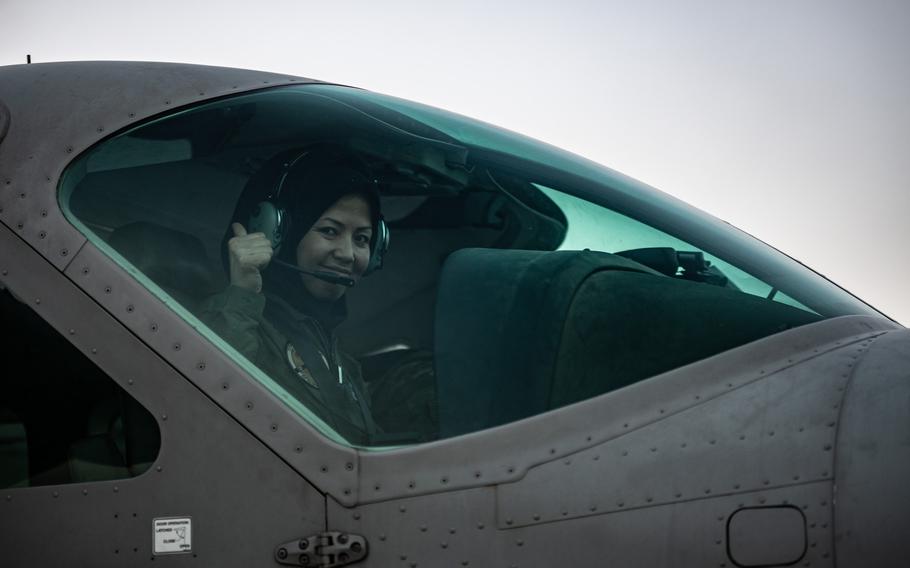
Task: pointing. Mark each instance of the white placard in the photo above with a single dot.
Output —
(173, 534)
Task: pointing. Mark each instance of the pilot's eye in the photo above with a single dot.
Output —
(362, 240)
(328, 231)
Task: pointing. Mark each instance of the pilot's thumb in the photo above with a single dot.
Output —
(238, 229)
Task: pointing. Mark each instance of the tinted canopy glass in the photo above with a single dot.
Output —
(518, 278)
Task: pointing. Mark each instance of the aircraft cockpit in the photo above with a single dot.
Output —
(519, 278)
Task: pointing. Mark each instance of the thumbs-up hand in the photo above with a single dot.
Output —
(248, 254)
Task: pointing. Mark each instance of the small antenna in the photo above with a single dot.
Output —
(28, 58)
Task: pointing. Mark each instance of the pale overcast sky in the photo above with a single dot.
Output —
(788, 118)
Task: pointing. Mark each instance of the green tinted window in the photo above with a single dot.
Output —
(520, 278)
(64, 420)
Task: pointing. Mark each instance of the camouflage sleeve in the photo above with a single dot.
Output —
(236, 315)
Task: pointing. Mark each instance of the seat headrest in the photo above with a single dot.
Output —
(174, 260)
(499, 321)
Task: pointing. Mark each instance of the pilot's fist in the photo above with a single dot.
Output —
(248, 254)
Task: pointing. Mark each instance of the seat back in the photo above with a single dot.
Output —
(174, 260)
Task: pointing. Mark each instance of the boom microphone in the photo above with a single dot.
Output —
(329, 277)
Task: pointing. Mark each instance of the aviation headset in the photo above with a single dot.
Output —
(271, 217)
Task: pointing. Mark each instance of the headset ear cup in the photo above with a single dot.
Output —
(268, 219)
(379, 249)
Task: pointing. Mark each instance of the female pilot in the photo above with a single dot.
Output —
(290, 260)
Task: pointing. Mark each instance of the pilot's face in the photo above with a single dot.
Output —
(339, 243)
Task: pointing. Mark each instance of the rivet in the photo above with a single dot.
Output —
(323, 469)
(742, 437)
(766, 482)
(402, 509)
(477, 475)
(249, 405)
(130, 308)
(164, 416)
(19, 225)
(444, 480)
(94, 351)
(762, 500)
(444, 545)
(717, 542)
(201, 365)
(349, 466)
(347, 491)
(299, 449)
(552, 451)
(154, 327)
(795, 478)
(511, 470)
(520, 542)
(653, 449)
(683, 445)
(158, 469)
(662, 411)
(382, 537)
(713, 442)
(592, 508)
(771, 433)
(480, 526)
(132, 114)
(536, 517)
(100, 129)
(707, 491)
(567, 462)
(37, 300)
(678, 495)
(412, 484)
(827, 447)
(42, 234)
(177, 347)
(225, 386)
(116, 489)
(377, 487)
(509, 521)
(69, 149)
(273, 427)
(21, 195)
(596, 458)
(85, 491)
(167, 102)
(649, 499)
(452, 531)
(620, 504)
(107, 289)
(588, 438)
(356, 516)
(423, 528)
(72, 331)
(56, 494)
(626, 425)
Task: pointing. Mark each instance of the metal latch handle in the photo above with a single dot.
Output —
(323, 550)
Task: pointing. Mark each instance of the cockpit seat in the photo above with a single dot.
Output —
(174, 260)
(518, 333)
(501, 321)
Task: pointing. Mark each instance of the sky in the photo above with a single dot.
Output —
(787, 118)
